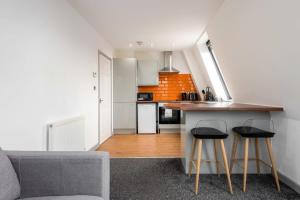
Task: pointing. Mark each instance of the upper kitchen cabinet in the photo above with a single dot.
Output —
(147, 73)
(124, 80)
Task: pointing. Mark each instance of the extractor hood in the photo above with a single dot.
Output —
(168, 63)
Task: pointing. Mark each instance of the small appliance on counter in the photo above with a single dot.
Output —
(145, 96)
(184, 96)
(208, 95)
(189, 96)
(194, 96)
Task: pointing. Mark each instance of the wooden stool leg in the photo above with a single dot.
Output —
(274, 169)
(245, 163)
(192, 156)
(226, 165)
(216, 157)
(233, 153)
(198, 164)
(257, 155)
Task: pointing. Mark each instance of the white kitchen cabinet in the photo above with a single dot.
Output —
(125, 116)
(124, 80)
(147, 118)
(124, 95)
(147, 73)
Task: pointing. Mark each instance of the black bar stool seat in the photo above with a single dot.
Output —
(200, 134)
(208, 133)
(248, 133)
(252, 132)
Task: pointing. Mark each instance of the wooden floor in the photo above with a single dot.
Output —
(154, 146)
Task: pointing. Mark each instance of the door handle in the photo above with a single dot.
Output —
(100, 100)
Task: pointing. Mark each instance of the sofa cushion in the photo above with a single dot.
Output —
(9, 183)
(77, 197)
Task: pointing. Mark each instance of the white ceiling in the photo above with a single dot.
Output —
(160, 24)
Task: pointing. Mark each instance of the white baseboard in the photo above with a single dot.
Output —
(289, 182)
(124, 131)
(94, 148)
(170, 130)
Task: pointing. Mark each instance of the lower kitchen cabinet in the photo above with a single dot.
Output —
(125, 117)
(147, 118)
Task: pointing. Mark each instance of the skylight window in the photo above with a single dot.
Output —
(213, 70)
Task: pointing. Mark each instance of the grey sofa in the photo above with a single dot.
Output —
(54, 175)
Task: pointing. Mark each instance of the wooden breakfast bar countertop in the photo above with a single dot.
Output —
(224, 106)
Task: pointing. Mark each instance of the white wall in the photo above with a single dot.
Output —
(201, 79)
(179, 62)
(47, 56)
(257, 45)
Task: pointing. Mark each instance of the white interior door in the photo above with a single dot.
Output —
(105, 98)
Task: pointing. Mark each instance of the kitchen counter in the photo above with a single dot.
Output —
(168, 101)
(146, 101)
(213, 114)
(225, 106)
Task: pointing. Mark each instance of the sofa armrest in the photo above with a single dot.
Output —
(62, 173)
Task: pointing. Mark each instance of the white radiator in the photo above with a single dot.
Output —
(66, 135)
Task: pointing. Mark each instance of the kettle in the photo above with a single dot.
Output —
(208, 95)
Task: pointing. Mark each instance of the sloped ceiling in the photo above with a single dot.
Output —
(160, 24)
(258, 51)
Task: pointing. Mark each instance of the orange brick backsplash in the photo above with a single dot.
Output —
(170, 87)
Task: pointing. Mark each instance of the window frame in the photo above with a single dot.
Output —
(219, 72)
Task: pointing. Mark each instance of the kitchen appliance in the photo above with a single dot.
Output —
(167, 116)
(145, 96)
(168, 63)
(208, 95)
(147, 118)
(194, 96)
(189, 96)
(184, 96)
(168, 119)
